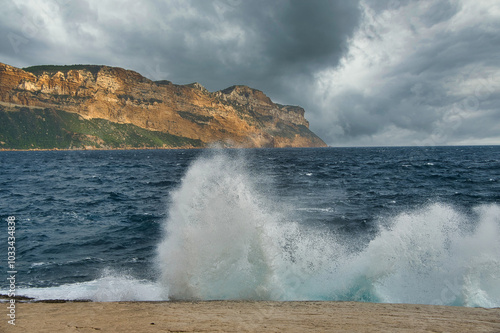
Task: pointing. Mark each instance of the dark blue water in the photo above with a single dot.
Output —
(106, 225)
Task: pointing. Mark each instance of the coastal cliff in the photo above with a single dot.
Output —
(89, 106)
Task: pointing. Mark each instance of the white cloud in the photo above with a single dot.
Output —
(412, 76)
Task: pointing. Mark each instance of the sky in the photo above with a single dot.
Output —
(367, 72)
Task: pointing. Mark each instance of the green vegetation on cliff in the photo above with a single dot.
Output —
(25, 128)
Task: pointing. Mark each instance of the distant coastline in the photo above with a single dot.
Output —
(93, 107)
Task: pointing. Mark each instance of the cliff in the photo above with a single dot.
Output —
(175, 115)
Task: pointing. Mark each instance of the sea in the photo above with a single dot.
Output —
(380, 224)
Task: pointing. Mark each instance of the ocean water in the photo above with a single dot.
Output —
(404, 225)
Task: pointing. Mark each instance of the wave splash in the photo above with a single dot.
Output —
(226, 240)
(112, 286)
(433, 255)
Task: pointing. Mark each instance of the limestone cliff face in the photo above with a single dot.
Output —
(237, 116)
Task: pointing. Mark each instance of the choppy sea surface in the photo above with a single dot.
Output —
(402, 225)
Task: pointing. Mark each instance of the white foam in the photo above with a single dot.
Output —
(224, 240)
(427, 257)
(111, 287)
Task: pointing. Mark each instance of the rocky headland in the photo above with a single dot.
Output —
(101, 107)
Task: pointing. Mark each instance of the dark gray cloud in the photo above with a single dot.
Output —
(428, 74)
(368, 72)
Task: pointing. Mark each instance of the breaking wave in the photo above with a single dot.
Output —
(225, 238)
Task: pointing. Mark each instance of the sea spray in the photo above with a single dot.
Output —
(218, 235)
(225, 239)
(427, 256)
(431, 255)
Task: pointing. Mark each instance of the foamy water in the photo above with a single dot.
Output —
(111, 287)
(228, 234)
(225, 241)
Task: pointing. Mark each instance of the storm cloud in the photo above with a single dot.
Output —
(368, 73)
(417, 73)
